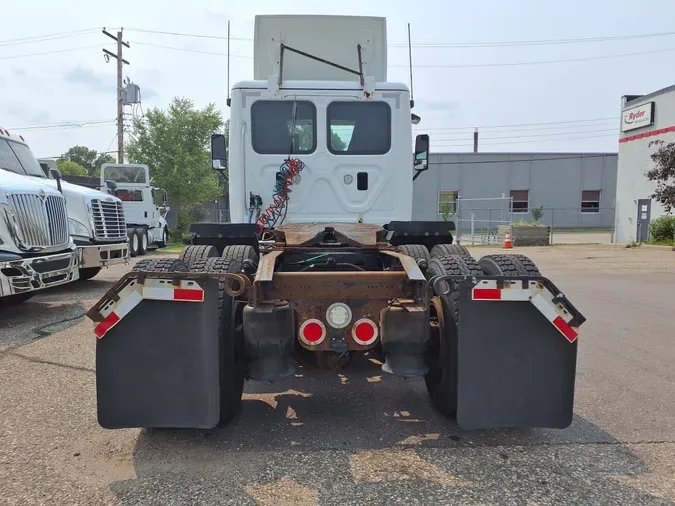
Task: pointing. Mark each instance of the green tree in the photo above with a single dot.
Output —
(175, 144)
(663, 173)
(336, 142)
(90, 159)
(69, 168)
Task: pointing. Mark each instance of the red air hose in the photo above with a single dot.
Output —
(282, 188)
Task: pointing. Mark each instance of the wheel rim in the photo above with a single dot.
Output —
(166, 237)
(134, 242)
(145, 241)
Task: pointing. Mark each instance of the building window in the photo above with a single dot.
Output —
(359, 128)
(447, 202)
(590, 201)
(283, 127)
(520, 201)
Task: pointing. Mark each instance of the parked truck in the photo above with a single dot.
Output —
(95, 221)
(36, 251)
(323, 263)
(145, 207)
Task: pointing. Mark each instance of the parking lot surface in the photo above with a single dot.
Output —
(359, 437)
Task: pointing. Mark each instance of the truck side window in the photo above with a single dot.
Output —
(272, 127)
(359, 128)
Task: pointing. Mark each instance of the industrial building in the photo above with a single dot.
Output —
(576, 190)
(644, 118)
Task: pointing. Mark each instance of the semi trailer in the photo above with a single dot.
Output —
(36, 251)
(323, 262)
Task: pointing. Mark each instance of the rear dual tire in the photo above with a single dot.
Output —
(138, 242)
(442, 353)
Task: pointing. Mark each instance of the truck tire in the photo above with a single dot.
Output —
(231, 333)
(417, 251)
(160, 265)
(134, 243)
(89, 272)
(142, 240)
(193, 254)
(238, 254)
(442, 250)
(508, 265)
(441, 357)
(165, 238)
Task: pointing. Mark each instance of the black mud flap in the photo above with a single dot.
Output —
(158, 367)
(515, 368)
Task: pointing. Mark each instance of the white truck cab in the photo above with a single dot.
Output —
(145, 207)
(350, 128)
(96, 223)
(36, 250)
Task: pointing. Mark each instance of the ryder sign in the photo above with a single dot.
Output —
(637, 117)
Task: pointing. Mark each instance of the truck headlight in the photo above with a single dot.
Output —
(76, 228)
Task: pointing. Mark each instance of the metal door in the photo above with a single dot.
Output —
(644, 213)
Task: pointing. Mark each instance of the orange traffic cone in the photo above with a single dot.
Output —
(507, 240)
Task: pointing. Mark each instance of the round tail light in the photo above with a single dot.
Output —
(364, 332)
(312, 332)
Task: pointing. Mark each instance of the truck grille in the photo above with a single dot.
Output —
(108, 220)
(42, 221)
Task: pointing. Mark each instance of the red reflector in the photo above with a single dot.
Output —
(566, 330)
(186, 294)
(487, 294)
(106, 325)
(312, 332)
(364, 332)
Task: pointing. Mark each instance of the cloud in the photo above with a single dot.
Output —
(437, 105)
(101, 83)
(19, 71)
(40, 118)
(15, 109)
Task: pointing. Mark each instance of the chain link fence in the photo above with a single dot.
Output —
(484, 222)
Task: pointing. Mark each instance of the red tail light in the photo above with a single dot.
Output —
(312, 332)
(365, 332)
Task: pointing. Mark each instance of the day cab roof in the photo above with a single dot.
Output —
(320, 85)
(5, 134)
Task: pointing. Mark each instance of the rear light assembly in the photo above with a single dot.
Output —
(312, 332)
(365, 332)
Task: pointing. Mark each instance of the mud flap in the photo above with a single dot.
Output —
(515, 367)
(159, 365)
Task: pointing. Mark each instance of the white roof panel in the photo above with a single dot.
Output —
(333, 38)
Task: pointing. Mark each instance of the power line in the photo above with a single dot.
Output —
(522, 124)
(515, 141)
(449, 44)
(526, 129)
(47, 52)
(554, 134)
(189, 50)
(68, 124)
(537, 42)
(46, 37)
(562, 157)
(544, 62)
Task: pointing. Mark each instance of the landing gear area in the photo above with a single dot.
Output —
(493, 340)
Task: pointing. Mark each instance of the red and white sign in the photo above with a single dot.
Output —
(637, 117)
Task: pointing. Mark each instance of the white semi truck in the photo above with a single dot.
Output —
(95, 221)
(323, 262)
(145, 207)
(36, 250)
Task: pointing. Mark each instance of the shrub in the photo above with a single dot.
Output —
(662, 228)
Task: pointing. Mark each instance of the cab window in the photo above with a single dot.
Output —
(283, 127)
(359, 128)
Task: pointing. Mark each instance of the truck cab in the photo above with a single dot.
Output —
(36, 250)
(96, 223)
(145, 207)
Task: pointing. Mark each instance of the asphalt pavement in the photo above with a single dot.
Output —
(360, 437)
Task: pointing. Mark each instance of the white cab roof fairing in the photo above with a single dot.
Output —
(333, 38)
(320, 85)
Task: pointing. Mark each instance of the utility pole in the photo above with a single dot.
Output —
(120, 90)
(475, 140)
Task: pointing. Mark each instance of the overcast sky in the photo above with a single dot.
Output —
(78, 86)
